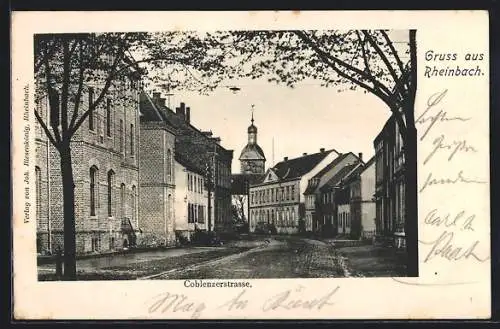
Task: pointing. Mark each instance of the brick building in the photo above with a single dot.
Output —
(105, 157)
(279, 199)
(207, 155)
(157, 176)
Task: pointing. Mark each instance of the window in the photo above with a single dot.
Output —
(272, 195)
(93, 190)
(110, 192)
(108, 117)
(121, 135)
(293, 192)
(91, 113)
(122, 200)
(38, 195)
(131, 139)
(134, 203)
(169, 165)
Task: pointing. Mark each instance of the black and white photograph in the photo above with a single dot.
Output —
(239, 154)
(250, 165)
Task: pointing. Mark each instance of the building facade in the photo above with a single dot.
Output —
(105, 158)
(207, 155)
(316, 220)
(367, 199)
(390, 183)
(279, 198)
(192, 199)
(157, 176)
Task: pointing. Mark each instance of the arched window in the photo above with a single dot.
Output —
(169, 165)
(94, 181)
(110, 182)
(38, 185)
(133, 203)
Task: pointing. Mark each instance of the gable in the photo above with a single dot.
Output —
(270, 176)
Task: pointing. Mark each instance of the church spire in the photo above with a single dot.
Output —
(252, 113)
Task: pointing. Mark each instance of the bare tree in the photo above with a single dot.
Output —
(377, 62)
(69, 66)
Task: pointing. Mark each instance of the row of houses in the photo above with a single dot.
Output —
(326, 193)
(143, 175)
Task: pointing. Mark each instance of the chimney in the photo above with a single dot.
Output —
(161, 101)
(322, 150)
(156, 96)
(188, 114)
(285, 158)
(360, 156)
(181, 110)
(304, 154)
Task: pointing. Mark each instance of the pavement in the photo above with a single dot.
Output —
(281, 258)
(261, 257)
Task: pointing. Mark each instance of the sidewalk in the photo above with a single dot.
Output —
(130, 266)
(373, 261)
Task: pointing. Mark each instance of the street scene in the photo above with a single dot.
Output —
(225, 155)
(271, 257)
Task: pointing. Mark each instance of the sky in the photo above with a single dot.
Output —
(299, 120)
(294, 121)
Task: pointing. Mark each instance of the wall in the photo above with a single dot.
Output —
(107, 147)
(157, 179)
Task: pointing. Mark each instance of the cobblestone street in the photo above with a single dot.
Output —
(281, 258)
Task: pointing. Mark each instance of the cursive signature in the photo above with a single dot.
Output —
(290, 299)
(452, 148)
(431, 181)
(434, 219)
(236, 303)
(440, 116)
(443, 247)
(168, 302)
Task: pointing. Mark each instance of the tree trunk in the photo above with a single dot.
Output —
(411, 208)
(69, 213)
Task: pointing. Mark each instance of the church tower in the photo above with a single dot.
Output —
(252, 157)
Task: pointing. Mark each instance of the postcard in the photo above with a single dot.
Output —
(251, 165)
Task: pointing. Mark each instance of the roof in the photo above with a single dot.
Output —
(186, 163)
(368, 163)
(340, 176)
(150, 112)
(295, 168)
(311, 188)
(252, 152)
(239, 181)
(190, 142)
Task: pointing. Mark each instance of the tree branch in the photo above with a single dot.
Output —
(57, 136)
(65, 86)
(45, 56)
(46, 130)
(383, 57)
(80, 88)
(104, 90)
(393, 51)
(378, 88)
